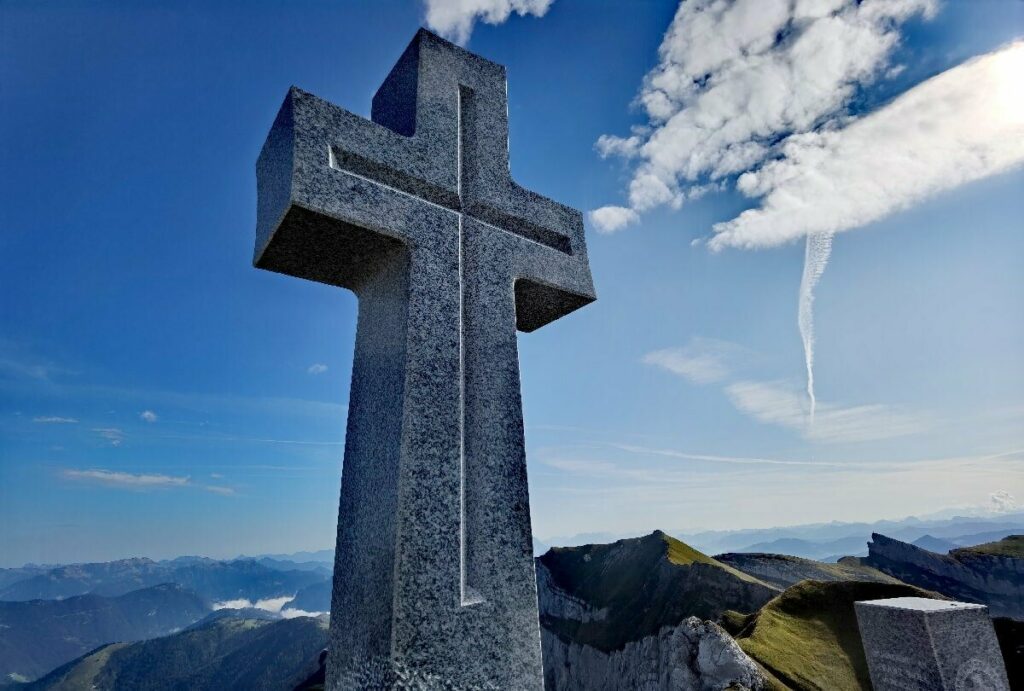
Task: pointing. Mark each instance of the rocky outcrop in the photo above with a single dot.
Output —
(631, 615)
(992, 579)
(605, 596)
(693, 656)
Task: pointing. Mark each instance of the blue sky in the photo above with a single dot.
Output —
(160, 396)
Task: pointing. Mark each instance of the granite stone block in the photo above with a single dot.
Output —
(917, 644)
(416, 212)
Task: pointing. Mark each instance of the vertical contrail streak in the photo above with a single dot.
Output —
(819, 247)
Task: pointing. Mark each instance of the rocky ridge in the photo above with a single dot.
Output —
(991, 574)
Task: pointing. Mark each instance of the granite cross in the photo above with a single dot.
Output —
(416, 212)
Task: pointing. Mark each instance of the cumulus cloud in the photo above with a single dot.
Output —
(114, 478)
(702, 361)
(316, 368)
(735, 77)
(148, 416)
(454, 19)
(962, 125)
(609, 219)
(275, 605)
(54, 420)
(1002, 502)
(776, 403)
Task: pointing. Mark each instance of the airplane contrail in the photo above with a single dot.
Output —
(818, 249)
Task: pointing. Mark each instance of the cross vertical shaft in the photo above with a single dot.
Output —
(417, 214)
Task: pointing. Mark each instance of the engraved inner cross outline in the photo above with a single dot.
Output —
(415, 211)
(361, 168)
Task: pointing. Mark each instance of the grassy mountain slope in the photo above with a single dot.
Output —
(228, 653)
(313, 598)
(38, 635)
(637, 586)
(783, 571)
(808, 637)
(1009, 546)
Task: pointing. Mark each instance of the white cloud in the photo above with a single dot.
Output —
(274, 605)
(1002, 502)
(454, 19)
(609, 219)
(702, 361)
(54, 420)
(317, 368)
(817, 251)
(112, 434)
(779, 404)
(735, 77)
(115, 478)
(760, 89)
(727, 460)
(120, 479)
(962, 125)
(148, 416)
(290, 613)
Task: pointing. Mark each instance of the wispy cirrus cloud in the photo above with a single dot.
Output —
(727, 460)
(701, 361)
(114, 435)
(120, 479)
(316, 368)
(116, 478)
(595, 483)
(221, 490)
(54, 420)
(454, 19)
(712, 361)
(777, 403)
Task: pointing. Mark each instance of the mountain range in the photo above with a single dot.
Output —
(212, 579)
(651, 611)
(829, 541)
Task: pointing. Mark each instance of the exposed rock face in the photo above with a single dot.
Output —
(783, 571)
(693, 656)
(996, 580)
(605, 596)
(629, 616)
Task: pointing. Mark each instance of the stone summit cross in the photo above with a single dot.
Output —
(416, 212)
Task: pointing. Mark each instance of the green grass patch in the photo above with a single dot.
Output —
(808, 636)
(1010, 546)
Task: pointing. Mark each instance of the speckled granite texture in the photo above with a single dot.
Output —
(917, 644)
(417, 214)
